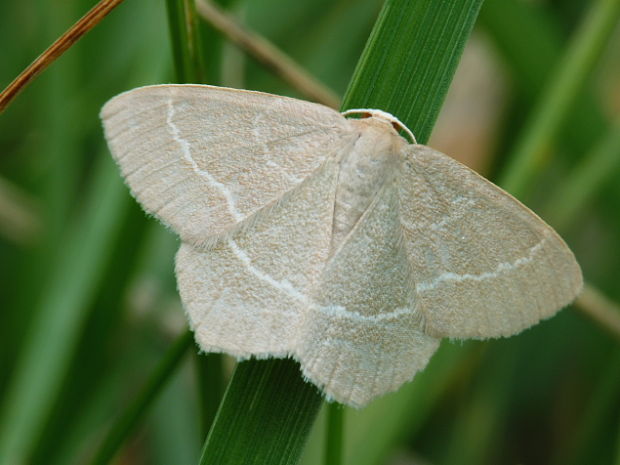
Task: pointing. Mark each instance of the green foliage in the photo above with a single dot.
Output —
(90, 311)
(410, 58)
(530, 154)
(265, 416)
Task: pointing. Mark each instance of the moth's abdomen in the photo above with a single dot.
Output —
(373, 161)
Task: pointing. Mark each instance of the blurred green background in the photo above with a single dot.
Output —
(87, 291)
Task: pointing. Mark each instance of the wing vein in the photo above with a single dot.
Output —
(500, 268)
(187, 154)
(283, 286)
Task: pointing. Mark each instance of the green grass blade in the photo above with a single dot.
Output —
(617, 459)
(532, 151)
(411, 81)
(595, 170)
(597, 423)
(559, 406)
(410, 59)
(403, 414)
(531, 42)
(334, 434)
(425, 40)
(176, 27)
(132, 415)
(518, 29)
(210, 384)
(186, 42)
(480, 421)
(190, 67)
(265, 417)
(61, 313)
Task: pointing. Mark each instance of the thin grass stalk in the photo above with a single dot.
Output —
(479, 423)
(531, 43)
(61, 313)
(267, 54)
(602, 310)
(334, 434)
(210, 384)
(60, 46)
(403, 414)
(533, 150)
(190, 67)
(596, 416)
(597, 168)
(20, 217)
(617, 458)
(186, 43)
(177, 31)
(127, 422)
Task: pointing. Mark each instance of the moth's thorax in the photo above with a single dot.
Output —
(372, 162)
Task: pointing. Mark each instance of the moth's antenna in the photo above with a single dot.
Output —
(369, 113)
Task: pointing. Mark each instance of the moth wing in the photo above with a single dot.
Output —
(363, 336)
(204, 159)
(248, 294)
(484, 264)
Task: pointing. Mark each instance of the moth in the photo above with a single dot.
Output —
(331, 240)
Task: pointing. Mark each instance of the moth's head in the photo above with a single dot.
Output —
(384, 117)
